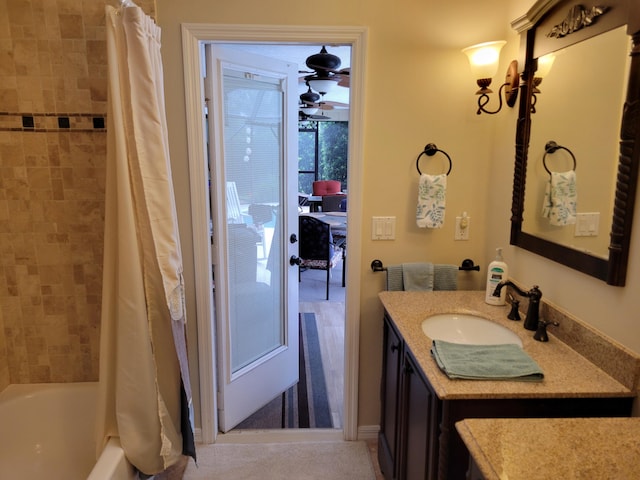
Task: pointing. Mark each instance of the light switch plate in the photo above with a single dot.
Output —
(587, 224)
(383, 228)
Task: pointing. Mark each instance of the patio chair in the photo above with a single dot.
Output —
(332, 203)
(326, 187)
(260, 215)
(317, 248)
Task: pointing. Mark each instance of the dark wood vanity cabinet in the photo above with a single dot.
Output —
(389, 390)
(408, 438)
(418, 438)
(419, 430)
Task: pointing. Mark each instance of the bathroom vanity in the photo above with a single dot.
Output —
(421, 405)
(528, 449)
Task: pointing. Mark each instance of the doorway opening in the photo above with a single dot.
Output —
(316, 401)
(194, 37)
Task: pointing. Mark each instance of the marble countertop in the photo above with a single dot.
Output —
(542, 448)
(567, 374)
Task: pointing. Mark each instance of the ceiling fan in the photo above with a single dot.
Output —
(311, 102)
(324, 77)
(309, 106)
(325, 72)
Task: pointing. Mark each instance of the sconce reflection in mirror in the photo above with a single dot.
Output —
(483, 59)
(544, 67)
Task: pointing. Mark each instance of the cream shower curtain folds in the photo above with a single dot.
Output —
(145, 394)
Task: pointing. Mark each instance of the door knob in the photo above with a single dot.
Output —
(293, 260)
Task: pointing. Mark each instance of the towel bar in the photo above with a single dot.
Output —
(376, 266)
(467, 265)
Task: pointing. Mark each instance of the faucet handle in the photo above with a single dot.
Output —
(514, 314)
(541, 332)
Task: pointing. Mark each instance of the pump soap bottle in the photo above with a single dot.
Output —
(498, 271)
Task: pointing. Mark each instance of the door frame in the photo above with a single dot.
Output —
(193, 35)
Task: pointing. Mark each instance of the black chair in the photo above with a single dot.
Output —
(317, 247)
(331, 203)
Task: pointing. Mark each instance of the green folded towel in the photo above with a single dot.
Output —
(394, 278)
(445, 277)
(417, 277)
(485, 362)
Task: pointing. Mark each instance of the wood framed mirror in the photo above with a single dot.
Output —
(558, 26)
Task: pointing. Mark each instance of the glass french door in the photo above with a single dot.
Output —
(253, 165)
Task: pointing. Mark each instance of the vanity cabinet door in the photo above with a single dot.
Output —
(389, 393)
(421, 413)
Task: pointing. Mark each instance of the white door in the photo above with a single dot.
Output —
(253, 156)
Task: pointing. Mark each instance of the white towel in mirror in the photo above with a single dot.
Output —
(561, 199)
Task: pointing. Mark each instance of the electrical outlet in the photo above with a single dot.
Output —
(463, 224)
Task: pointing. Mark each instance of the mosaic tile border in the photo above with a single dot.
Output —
(52, 122)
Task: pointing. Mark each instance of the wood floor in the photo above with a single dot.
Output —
(330, 322)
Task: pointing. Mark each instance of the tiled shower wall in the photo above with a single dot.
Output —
(53, 103)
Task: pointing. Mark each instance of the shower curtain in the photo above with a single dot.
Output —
(145, 394)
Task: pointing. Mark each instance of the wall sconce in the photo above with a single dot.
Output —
(544, 67)
(483, 59)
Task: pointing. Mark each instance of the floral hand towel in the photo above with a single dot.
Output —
(561, 198)
(431, 200)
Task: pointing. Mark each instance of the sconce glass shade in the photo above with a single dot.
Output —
(322, 85)
(483, 58)
(544, 65)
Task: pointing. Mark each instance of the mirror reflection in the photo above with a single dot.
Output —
(579, 106)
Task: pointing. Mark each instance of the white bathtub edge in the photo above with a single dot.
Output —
(112, 464)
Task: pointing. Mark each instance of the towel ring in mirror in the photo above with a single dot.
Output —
(556, 16)
(553, 147)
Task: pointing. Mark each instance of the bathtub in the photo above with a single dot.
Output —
(48, 432)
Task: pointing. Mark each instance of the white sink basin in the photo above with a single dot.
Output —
(468, 329)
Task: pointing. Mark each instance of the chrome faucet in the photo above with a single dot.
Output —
(534, 295)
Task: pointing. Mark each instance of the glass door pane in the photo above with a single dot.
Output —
(253, 174)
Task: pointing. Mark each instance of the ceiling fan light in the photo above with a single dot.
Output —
(309, 110)
(322, 85)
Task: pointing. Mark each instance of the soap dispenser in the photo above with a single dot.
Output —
(498, 271)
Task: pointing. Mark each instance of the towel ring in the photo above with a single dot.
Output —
(431, 150)
(552, 147)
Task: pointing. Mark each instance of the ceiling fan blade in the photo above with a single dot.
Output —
(345, 81)
(319, 105)
(335, 104)
(304, 116)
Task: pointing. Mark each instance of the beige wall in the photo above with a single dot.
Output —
(418, 90)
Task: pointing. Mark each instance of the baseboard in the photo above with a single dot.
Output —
(368, 432)
(291, 435)
(365, 432)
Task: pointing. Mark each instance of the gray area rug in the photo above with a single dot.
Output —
(336, 460)
(306, 404)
